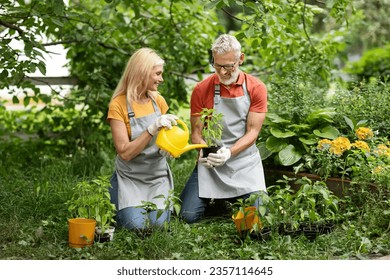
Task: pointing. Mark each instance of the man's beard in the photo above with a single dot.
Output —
(233, 78)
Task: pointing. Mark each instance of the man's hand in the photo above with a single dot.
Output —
(219, 158)
(203, 161)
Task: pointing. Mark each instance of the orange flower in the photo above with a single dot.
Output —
(364, 133)
(361, 145)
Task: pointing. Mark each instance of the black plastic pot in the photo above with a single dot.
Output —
(101, 238)
(287, 229)
(208, 150)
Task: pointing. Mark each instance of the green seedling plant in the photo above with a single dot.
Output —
(282, 207)
(212, 126)
(172, 202)
(316, 203)
(91, 199)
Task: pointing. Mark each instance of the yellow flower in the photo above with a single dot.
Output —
(361, 145)
(377, 170)
(340, 145)
(324, 144)
(364, 133)
(383, 150)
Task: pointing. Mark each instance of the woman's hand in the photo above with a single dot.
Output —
(163, 121)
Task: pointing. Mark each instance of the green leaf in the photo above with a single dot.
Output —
(361, 123)
(281, 134)
(326, 114)
(329, 132)
(264, 152)
(289, 155)
(308, 141)
(42, 67)
(262, 210)
(58, 7)
(15, 100)
(350, 123)
(26, 101)
(274, 144)
(274, 118)
(28, 48)
(3, 74)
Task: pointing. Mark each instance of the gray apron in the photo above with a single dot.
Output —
(147, 175)
(243, 173)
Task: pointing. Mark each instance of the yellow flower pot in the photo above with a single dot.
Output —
(246, 220)
(81, 232)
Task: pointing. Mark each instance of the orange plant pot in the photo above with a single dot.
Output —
(245, 221)
(81, 232)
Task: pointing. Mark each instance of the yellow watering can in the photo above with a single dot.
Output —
(175, 140)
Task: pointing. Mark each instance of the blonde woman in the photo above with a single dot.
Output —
(136, 113)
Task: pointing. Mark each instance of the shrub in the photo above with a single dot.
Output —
(365, 101)
(374, 63)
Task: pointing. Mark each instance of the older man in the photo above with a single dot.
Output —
(236, 170)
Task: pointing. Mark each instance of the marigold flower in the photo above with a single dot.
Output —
(340, 145)
(324, 144)
(364, 133)
(361, 145)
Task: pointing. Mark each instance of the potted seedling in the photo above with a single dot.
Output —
(91, 200)
(246, 217)
(318, 207)
(171, 202)
(212, 130)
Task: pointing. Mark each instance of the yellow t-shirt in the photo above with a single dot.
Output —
(118, 109)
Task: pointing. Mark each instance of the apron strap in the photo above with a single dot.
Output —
(131, 114)
(217, 93)
(245, 89)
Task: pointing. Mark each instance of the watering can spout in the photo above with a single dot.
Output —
(175, 140)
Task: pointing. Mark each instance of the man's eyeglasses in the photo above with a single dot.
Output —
(227, 67)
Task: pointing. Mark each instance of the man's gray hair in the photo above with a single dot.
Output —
(226, 43)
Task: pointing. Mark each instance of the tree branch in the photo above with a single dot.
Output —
(171, 17)
(11, 26)
(229, 14)
(304, 24)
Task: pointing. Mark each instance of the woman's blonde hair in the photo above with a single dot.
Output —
(135, 77)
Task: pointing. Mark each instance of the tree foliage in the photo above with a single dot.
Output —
(280, 34)
(99, 37)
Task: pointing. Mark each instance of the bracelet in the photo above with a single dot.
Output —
(149, 133)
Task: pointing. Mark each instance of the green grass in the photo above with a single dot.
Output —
(33, 222)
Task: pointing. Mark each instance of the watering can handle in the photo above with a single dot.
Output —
(183, 125)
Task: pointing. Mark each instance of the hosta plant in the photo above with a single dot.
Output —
(285, 141)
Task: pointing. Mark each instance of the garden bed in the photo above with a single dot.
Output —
(338, 186)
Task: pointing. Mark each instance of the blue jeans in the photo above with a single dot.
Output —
(135, 217)
(193, 206)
